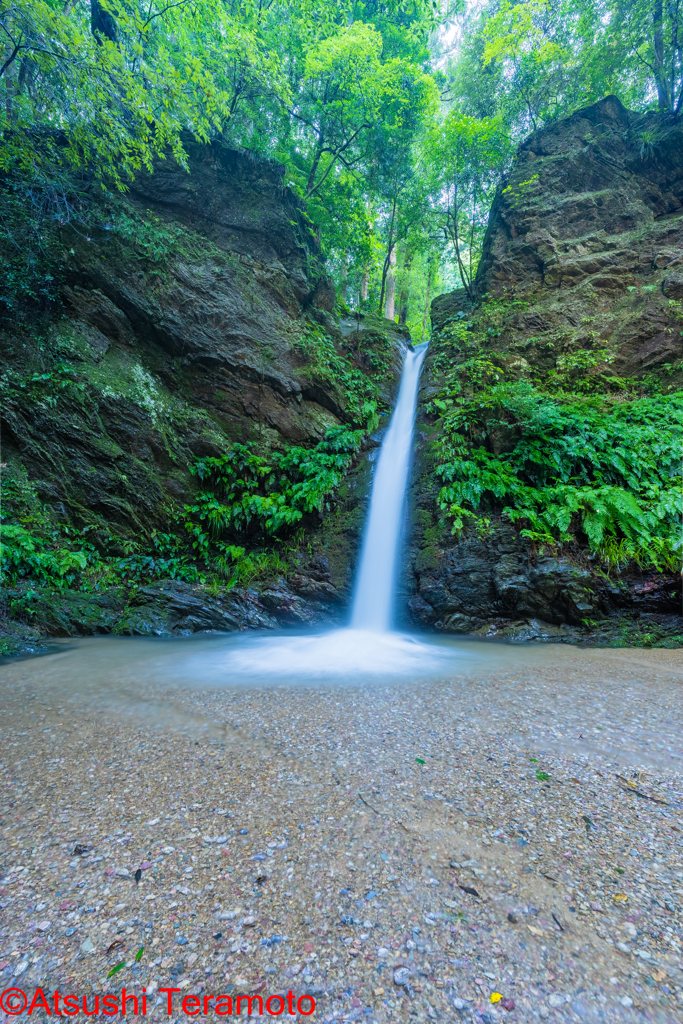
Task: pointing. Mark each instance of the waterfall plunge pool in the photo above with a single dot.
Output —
(174, 682)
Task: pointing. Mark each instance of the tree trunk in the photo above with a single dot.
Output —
(387, 259)
(404, 294)
(101, 22)
(343, 287)
(658, 40)
(365, 281)
(391, 287)
(430, 265)
(314, 167)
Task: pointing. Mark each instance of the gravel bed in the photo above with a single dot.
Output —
(500, 847)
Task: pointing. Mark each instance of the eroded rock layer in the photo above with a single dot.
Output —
(195, 313)
(583, 261)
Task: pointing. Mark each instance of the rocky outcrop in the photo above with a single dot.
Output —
(583, 250)
(196, 313)
(592, 213)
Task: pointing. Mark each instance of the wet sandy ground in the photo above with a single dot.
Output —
(501, 840)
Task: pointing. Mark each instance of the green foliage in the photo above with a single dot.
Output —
(27, 556)
(93, 91)
(251, 497)
(359, 392)
(568, 470)
(465, 157)
(66, 558)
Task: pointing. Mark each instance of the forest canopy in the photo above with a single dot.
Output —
(395, 121)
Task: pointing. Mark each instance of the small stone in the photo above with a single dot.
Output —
(20, 968)
(378, 991)
(87, 946)
(401, 976)
(623, 947)
(459, 1003)
(556, 1000)
(44, 925)
(626, 1001)
(181, 940)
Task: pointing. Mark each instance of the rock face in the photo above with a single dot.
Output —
(195, 314)
(588, 211)
(585, 245)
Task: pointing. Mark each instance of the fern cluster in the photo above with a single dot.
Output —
(65, 558)
(570, 470)
(252, 497)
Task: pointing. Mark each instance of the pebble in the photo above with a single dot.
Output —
(370, 891)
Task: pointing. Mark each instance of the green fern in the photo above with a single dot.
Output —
(577, 471)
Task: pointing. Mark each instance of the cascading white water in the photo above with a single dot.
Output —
(375, 584)
(366, 650)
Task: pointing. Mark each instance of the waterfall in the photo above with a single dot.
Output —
(368, 650)
(374, 595)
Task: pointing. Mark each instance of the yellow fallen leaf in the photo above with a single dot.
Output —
(620, 897)
(534, 931)
(495, 997)
(658, 975)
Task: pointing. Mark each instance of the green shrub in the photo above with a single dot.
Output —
(26, 556)
(577, 471)
(68, 559)
(250, 496)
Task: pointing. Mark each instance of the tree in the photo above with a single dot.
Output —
(394, 173)
(650, 35)
(465, 157)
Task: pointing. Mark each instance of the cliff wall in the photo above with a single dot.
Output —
(577, 315)
(194, 313)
